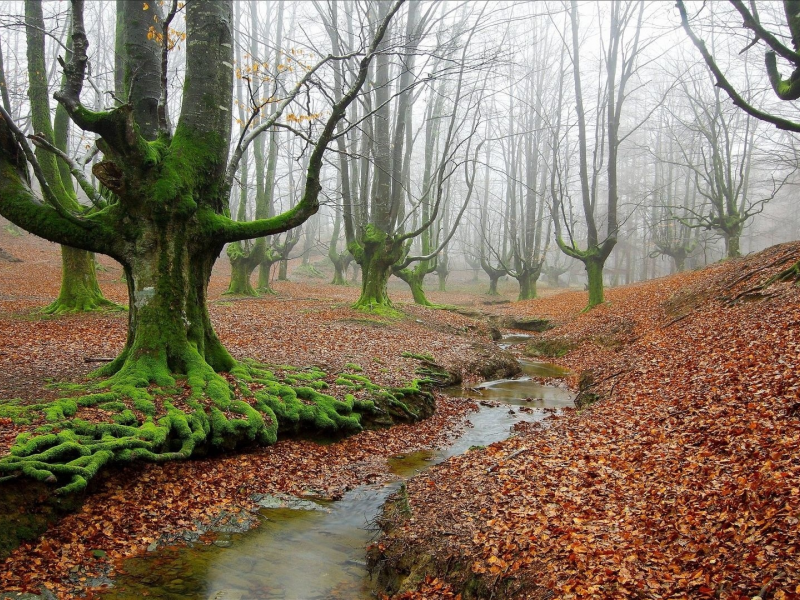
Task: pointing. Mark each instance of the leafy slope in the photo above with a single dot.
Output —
(683, 483)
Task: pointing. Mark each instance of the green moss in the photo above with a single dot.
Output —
(423, 357)
(214, 419)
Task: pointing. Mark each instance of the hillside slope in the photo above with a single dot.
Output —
(683, 481)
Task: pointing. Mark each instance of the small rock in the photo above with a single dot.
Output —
(152, 547)
(223, 543)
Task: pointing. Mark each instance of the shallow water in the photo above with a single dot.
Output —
(319, 554)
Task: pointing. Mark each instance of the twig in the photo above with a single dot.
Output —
(89, 359)
(678, 319)
(514, 454)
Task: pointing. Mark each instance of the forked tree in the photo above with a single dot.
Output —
(165, 220)
(780, 24)
(620, 62)
(79, 288)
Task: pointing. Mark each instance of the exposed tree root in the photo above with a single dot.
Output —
(790, 274)
(156, 418)
(82, 304)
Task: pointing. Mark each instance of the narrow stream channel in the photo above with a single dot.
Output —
(315, 550)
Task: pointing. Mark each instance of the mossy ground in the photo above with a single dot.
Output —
(131, 416)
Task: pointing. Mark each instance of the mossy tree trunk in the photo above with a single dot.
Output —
(376, 256)
(79, 288)
(169, 329)
(733, 243)
(414, 278)
(527, 283)
(594, 275)
(244, 260)
(167, 221)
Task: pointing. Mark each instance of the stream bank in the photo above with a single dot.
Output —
(680, 482)
(329, 537)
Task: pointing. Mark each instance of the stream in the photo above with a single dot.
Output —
(315, 550)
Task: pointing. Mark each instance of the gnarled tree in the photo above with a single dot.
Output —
(166, 222)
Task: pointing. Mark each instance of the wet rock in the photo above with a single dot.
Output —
(528, 324)
(286, 501)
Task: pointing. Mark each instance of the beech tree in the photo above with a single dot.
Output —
(620, 58)
(79, 288)
(165, 220)
(380, 217)
(782, 24)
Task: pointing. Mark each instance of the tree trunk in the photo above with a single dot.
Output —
(732, 245)
(283, 270)
(594, 273)
(169, 329)
(338, 272)
(243, 263)
(378, 253)
(527, 285)
(443, 271)
(680, 262)
(414, 279)
(240, 280)
(493, 279)
(79, 288)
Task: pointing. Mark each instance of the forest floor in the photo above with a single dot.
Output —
(304, 324)
(682, 480)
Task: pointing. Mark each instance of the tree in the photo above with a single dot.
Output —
(529, 241)
(166, 222)
(493, 258)
(785, 89)
(378, 226)
(720, 155)
(620, 56)
(79, 288)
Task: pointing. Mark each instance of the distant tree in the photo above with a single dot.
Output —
(620, 56)
(79, 288)
(786, 89)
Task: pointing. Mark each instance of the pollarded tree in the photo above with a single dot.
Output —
(781, 24)
(493, 258)
(79, 288)
(380, 217)
(721, 159)
(620, 60)
(166, 223)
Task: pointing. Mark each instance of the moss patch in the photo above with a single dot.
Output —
(133, 416)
